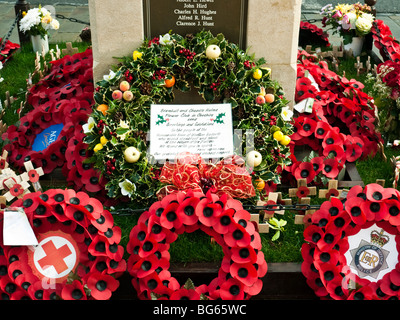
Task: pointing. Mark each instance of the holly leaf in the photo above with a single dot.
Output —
(189, 285)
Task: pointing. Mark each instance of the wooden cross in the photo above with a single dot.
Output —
(3, 202)
(6, 174)
(368, 64)
(69, 50)
(302, 190)
(262, 227)
(273, 198)
(3, 160)
(300, 218)
(17, 188)
(32, 175)
(336, 52)
(332, 190)
(359, 66)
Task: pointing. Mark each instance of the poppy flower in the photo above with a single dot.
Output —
(313, 234)
(373, 209)
(317, 163)
(16, 190)
(374, 192)
(149, 265)
(331, 138)
(185, 294)
(330, 168)
(304, 89)
(390, 284)
(73, 291)
(307, 127)
(335, 150)
(321, 129)
(335, 289)
(169, 218)
(353, 147)
(354, 207)
(356, 191)
(206, 211)
(232, 289)
(245, 273)
(222, 222)
(102, 285)
(305, 170)
(302, 192)
(243, 254)
(364, 293)
(393, 210)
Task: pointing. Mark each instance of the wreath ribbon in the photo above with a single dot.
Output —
(189, 170)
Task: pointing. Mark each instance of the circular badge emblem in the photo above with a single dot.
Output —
(372, 253)
(55, 256)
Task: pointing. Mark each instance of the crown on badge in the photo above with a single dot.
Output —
(378, 238)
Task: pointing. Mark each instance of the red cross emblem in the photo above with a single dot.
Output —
(54, 257)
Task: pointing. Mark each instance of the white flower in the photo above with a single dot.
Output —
(286, 114)
(364, 23)
(1, 79)
(165, 39)
(110, 76)
(123, 125)
(127, 188)
(55, 25)
(31, 19)
(88, 127)
(352, 19)
(1, 65)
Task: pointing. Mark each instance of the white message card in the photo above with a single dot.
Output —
(204, 129)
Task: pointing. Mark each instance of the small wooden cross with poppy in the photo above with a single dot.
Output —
(302, 190)
(17, 188)
(32, 175)
(3, 160)
(332, 190)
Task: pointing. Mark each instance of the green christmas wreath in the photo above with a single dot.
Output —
(224, 74)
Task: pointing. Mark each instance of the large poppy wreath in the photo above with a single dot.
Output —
(78, 256)
(351, 249)
(51, 134)
(172, 62)
(221, 217)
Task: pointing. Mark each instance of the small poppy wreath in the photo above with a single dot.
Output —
(351, 249)
(221, 217)
(78, 256)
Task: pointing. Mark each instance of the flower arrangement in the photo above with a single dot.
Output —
(150, 76)
(221, 217)
(38, 21)
(327, 261)
(349, 20)
(310, 34)
(385, 42)
(339, 129)
(385, 88)
(86, 226)
(8, 48)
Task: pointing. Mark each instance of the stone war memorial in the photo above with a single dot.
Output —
(200, 150)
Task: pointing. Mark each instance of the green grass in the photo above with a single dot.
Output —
(16, 71)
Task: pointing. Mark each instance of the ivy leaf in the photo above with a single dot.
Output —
(276, 236)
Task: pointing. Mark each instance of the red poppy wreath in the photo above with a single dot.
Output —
(78, 256)
(352, 248)
(221, 217)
